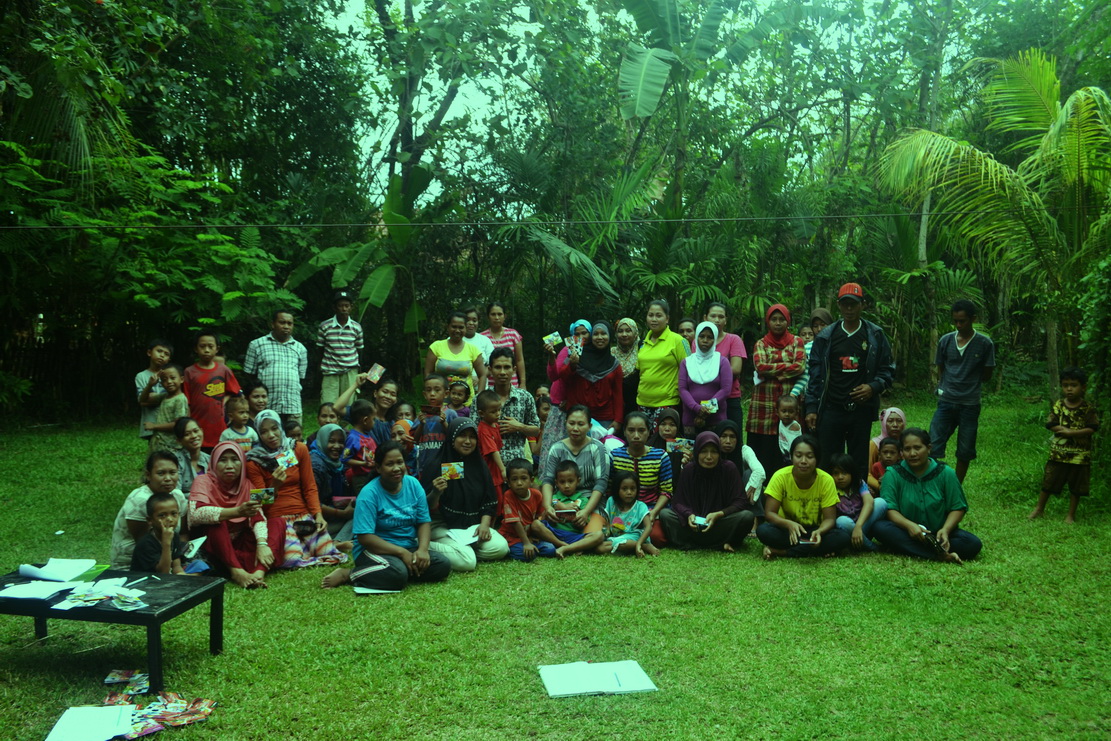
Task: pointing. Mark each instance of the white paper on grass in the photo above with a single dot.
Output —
(585, 678)
(58, 569)
(368, 590)
(38, 589)
(93, 723)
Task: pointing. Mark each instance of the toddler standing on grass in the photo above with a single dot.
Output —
(1073, 421)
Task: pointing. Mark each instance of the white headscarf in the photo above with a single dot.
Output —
(704, 367)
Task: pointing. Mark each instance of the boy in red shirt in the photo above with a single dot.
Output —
(522, 506)
(208, 382)
(488, 406)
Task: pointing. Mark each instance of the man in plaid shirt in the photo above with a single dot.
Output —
(280, 362)
(341, 338)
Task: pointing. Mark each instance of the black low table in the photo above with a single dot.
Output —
(167, 597)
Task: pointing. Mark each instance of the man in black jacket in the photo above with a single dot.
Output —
(850, 366)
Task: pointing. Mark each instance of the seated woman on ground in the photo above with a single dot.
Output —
(298, 532)
(800, 508)
(925, 506)
(857, 511)
(220, 508)
(191, 460)
(161, 475)
(744, 458)
(336, 501)
(707, 510)
(627, 519)
(652, 468)
(392, 529)
(462, 500)
(573, 495)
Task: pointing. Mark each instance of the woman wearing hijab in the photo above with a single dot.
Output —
(462, 500)
(331, 485)
(705, 380)
(708, 509)
(557, 418)
(625, 348)
(594, 379)
(744, 458)
(220, 508)
(295, 516)
(779, 359)
(893, 421)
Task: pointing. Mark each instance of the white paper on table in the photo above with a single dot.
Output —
(93, 723)
(585, 678)
(58, 569)
(39, 589)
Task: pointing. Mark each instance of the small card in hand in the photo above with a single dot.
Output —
(430, 411)
(374, 375)
(710, 405)
(263, 496)
(287, 459)
(553, 339)
(680, 445)
(451, 470)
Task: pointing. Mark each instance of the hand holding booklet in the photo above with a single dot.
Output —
(587, 678)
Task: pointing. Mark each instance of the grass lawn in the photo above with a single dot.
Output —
(1012, 645)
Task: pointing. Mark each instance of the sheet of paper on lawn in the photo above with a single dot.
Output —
(584, 678)
(39, 589)
(92, 724)
(58, 569)
(368, 590)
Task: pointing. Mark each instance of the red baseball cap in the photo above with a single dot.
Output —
(852, 290)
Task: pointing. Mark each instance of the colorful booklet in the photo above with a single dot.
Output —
(374, 375)
(263, 496)
(553, 339)
(680, 445)
(287, 459)
(451, 471)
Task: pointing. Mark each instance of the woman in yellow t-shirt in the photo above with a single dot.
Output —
(454, 357)
(800, 508)
(658, 362)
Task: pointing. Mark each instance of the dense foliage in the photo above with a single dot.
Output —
(180, 163)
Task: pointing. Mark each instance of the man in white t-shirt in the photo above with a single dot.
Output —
(482, 342)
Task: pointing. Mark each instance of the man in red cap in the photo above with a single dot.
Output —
(850, 366)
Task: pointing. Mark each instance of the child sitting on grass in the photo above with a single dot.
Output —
(458, 394)
(171, 406)
(239, 430)
(521, 506)
(488, 408)
(159, 353)
(627, 525)
(857, 510)
(891, 452)
(160, 550)
(132, 520)
(567, 499)
(1073, 421)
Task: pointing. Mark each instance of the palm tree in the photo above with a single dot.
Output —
(1043, 222)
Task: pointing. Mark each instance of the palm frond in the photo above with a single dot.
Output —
(1023, 96)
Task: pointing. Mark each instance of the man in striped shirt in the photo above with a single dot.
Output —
(341, 338)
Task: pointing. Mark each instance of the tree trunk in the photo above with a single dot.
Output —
(930, 288)
(1051, 360)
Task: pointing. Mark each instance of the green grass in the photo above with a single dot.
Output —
(1013, 645)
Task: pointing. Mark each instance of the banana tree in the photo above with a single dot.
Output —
(1045, 221)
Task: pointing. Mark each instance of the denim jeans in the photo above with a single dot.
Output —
(963, 543)
(964, 419)
(848, 524)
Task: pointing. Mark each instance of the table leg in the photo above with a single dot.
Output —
(40, 628)
(216, 623)
(154, 657)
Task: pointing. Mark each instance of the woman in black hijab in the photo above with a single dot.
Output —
(594, 378)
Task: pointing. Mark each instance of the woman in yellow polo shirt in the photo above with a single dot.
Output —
(658, 362)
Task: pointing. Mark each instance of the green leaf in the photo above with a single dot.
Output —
(378, 285)
(706, 40)
(641, 80)
(398, 227)
(413, 317)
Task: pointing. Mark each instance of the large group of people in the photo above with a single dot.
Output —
(632, 444)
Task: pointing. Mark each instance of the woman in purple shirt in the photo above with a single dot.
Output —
(705, 379)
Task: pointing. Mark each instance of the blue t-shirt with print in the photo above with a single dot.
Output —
(392, 517)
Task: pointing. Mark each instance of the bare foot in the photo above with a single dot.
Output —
(337, 578)
(651, 550)
(954, 559)
(1069, 520)
(769, 554)
(258, 580)
(728, 548)
(560, 553)
(345, 546)
(1035, 514)
(242, 578)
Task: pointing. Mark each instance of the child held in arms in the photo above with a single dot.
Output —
(787, 408)
(1073, 422)
(171, 406)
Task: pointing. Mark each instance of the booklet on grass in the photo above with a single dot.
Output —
(587, 678)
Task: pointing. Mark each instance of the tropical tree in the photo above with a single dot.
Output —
(1046, 220)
